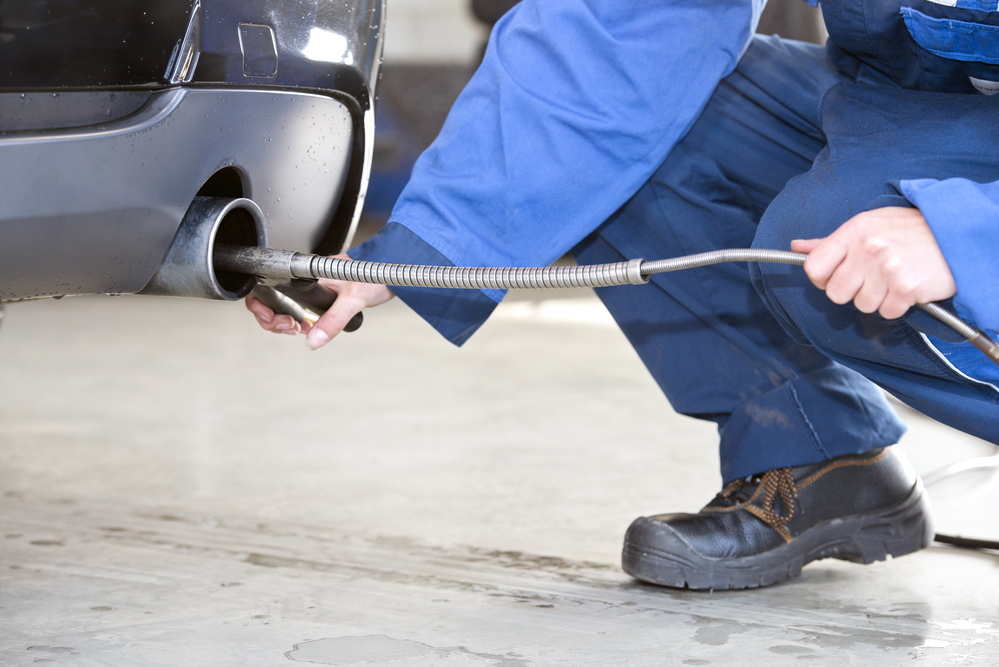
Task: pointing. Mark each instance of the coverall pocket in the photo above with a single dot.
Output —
(953, 39)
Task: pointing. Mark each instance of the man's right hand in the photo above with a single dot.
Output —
(351, 299)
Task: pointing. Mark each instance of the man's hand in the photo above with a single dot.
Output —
(885, 260)
(351, 299)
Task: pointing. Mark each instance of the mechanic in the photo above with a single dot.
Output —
(619, 129)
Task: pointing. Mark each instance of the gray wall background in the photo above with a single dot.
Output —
(446, 31)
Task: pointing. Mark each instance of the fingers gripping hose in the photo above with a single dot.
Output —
(281, 264)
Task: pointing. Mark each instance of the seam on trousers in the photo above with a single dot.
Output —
(776, 308)
(952, 367)
(877, 44)
(918, 339)
(702, 309)
(880, 431)
(701, 312)
(822, 110)
(807, 422)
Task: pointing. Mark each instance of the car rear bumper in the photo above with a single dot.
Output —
(94, 210)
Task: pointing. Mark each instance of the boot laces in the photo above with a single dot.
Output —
(776, 483)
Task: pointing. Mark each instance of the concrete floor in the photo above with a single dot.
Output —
(179, 488)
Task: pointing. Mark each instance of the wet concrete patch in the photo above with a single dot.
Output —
(383, 650)
(52, 649)
(340, 651)
(714, 632)
(787, 649)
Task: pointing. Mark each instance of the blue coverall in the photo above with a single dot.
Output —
(627, 128)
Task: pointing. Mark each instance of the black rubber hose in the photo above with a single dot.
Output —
(966, 542)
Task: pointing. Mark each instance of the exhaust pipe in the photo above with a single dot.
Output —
(189, 267)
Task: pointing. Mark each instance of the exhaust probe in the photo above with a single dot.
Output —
(282, 265)
(285, 265)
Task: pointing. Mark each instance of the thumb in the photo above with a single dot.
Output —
(333, 320)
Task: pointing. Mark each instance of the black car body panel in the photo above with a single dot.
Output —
(60, 44)
(72, 44)
(114, 116)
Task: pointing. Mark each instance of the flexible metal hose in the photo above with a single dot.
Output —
(456, 277)
(721, 256)
(282, 265)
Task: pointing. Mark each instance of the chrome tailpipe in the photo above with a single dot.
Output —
(189, 267)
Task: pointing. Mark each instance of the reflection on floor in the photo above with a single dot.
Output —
(180, 489)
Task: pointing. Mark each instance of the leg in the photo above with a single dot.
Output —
(704, 334)
(832, 488)
(924, 135)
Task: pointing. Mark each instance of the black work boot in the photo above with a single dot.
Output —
(761, 530)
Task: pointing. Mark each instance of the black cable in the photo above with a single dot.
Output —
(975, 463)
(966, 542)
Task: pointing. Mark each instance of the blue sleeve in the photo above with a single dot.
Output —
(575, 105)
(455, 313)
(964, 217)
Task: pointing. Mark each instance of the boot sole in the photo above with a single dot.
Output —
(899, 530)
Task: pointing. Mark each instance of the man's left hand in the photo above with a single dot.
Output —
(885, 260)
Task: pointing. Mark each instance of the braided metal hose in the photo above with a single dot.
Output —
(282, 265)
(457, 277)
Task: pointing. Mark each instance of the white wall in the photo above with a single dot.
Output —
(432, 31)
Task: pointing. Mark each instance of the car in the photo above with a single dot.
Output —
(122, 123)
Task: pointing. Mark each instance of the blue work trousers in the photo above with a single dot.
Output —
(788, 147)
